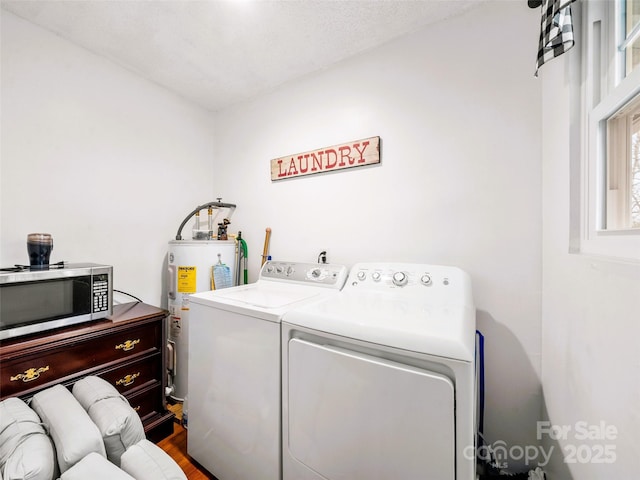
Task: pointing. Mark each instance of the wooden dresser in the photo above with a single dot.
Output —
(127, 349)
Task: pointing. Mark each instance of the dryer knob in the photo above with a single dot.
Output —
(362, 275)
(289, 270)
(426, 279)
(400, 279)
(376, 276)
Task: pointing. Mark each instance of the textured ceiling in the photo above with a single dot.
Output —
(220, 52)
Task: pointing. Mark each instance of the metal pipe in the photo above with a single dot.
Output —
(217, 204)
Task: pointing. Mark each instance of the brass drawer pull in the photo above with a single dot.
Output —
(137, 409)
(128, 380)
(30, 374)
(128, 345)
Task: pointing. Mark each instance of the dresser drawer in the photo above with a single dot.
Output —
(17, 376)
(123, 345)
(147, 402)
(132, 376)
(31, 371)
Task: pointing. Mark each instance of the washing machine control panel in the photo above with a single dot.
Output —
(329, 275)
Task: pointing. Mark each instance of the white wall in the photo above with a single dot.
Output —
(590, 322)
(105, 161)
(458, 111)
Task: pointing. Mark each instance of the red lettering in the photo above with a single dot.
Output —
(292, 168)
(347, 155)
(317, 162)
(330, 165)
(280, 172)
(361, 152)
(306, 163)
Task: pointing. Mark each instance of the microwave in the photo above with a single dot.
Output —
(33, 301)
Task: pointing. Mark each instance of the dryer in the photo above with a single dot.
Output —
(234, 385)
(378, 381)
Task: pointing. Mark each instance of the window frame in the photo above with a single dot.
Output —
(602, 96)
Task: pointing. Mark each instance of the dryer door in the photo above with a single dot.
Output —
(352, 416)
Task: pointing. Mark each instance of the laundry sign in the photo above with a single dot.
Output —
(347, 155)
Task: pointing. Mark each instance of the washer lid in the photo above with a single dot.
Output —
(267, 300)
(441, 329)
(265, 295)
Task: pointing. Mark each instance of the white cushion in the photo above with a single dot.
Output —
(26, 452)
(147, 461)
(92, 389)
(95, 467)
(72, 431)
(118, 423)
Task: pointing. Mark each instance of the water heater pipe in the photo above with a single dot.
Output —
(217, 204)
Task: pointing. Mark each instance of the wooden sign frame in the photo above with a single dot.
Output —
(337, 157)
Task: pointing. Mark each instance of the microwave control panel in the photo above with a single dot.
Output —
(100, 293)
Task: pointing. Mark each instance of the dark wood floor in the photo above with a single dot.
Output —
(176, 446)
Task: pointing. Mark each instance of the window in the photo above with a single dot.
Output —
(623, 168)
(630, 47)
(611, 101)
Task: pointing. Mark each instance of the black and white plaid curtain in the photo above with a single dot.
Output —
(556, 30)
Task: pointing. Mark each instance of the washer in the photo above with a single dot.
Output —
(378, 380)
(234, 404)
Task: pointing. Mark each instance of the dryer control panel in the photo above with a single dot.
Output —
(326, 274)
(411, 278)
